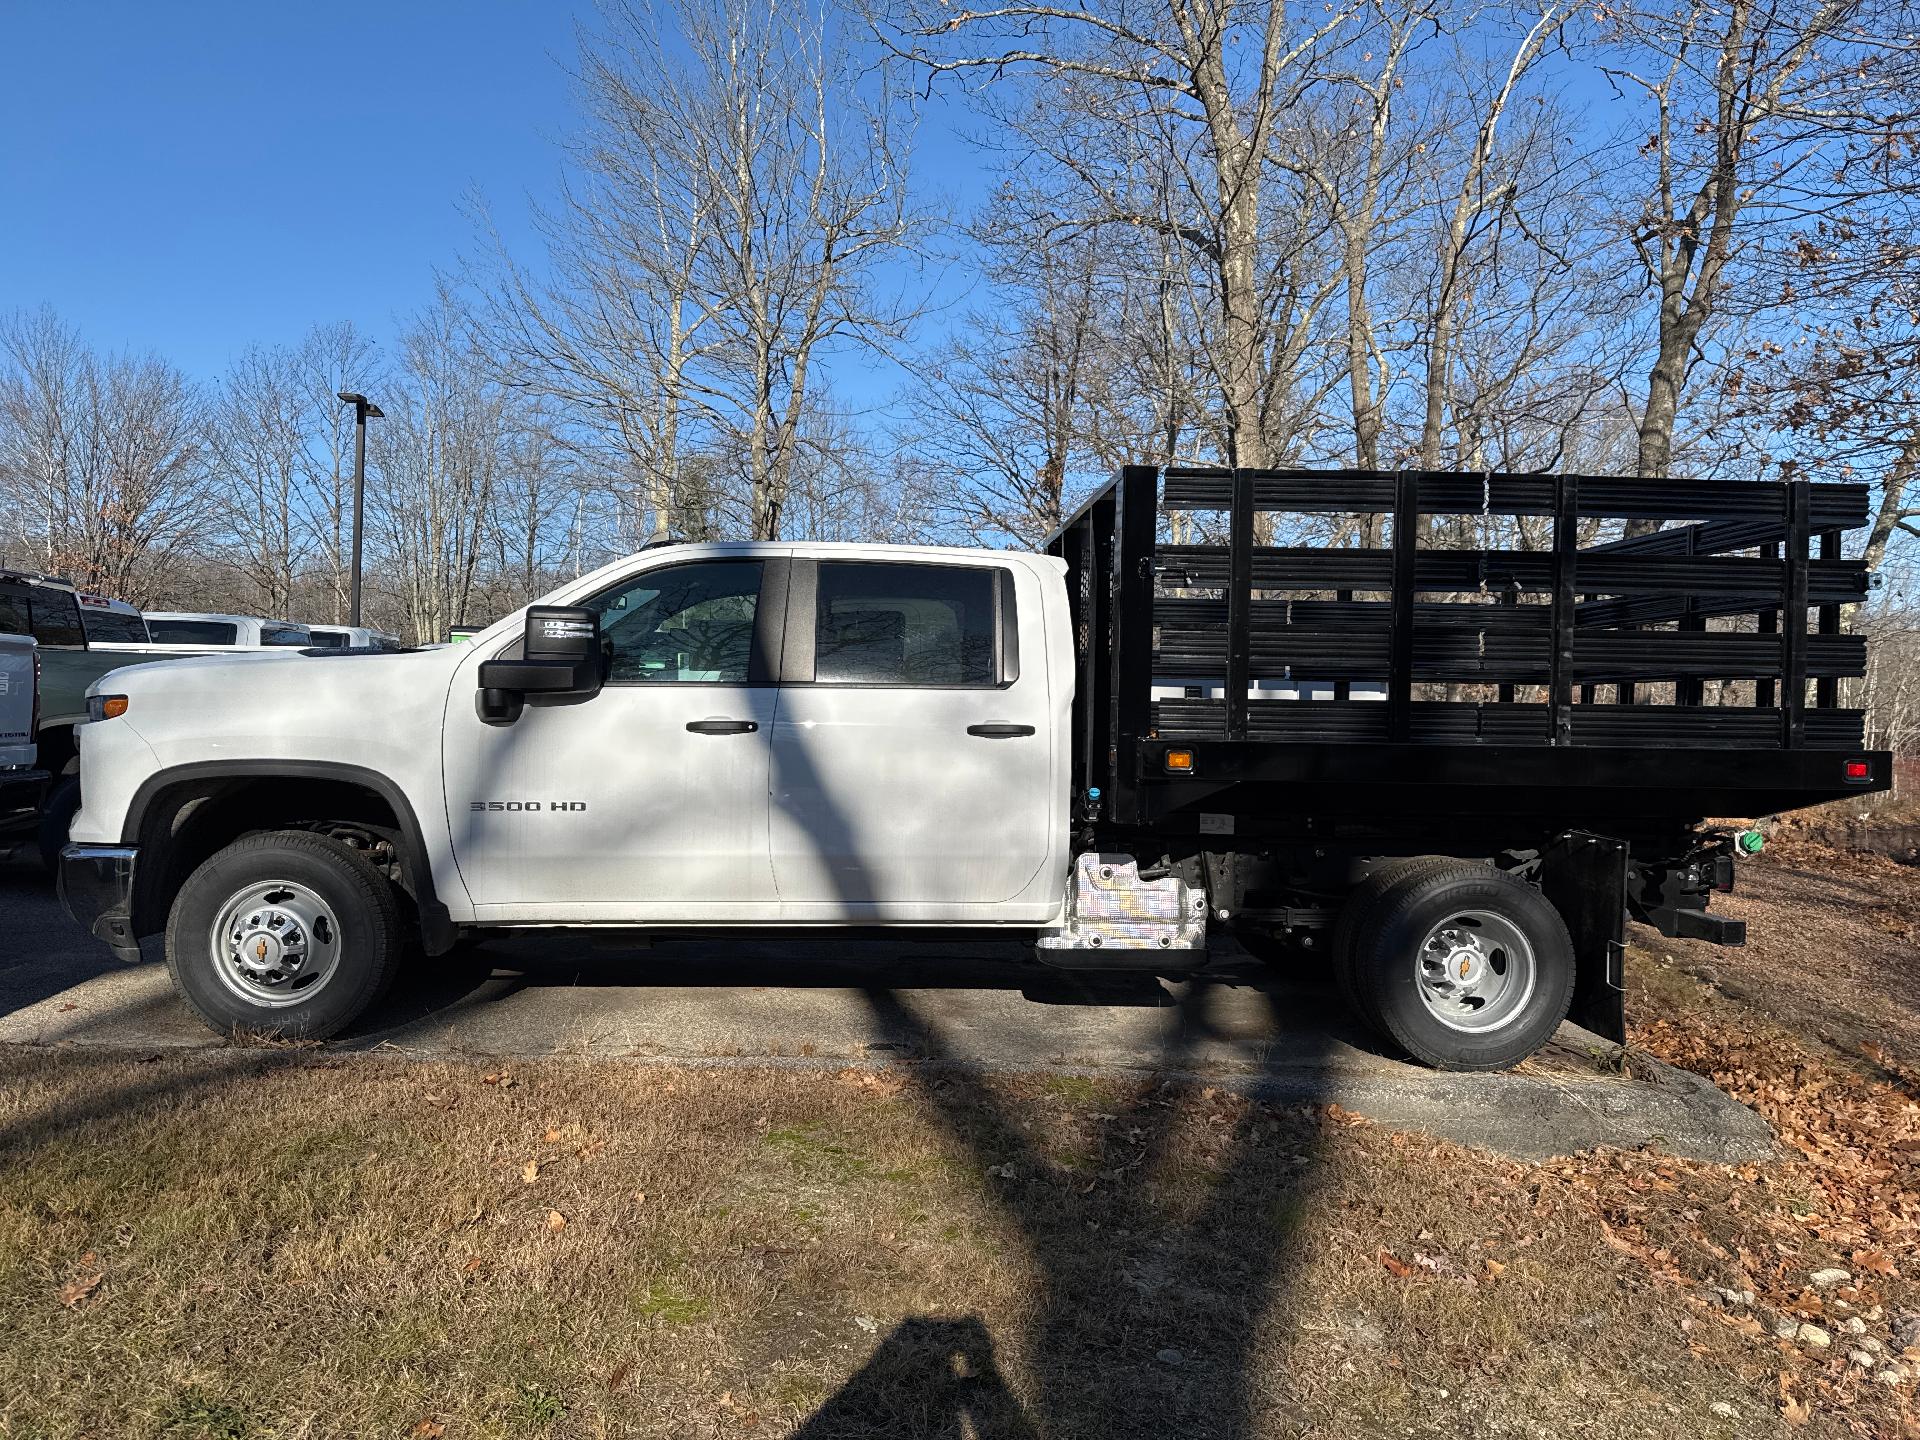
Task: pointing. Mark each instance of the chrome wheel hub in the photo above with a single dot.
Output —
(1475, 971)
(275, 943)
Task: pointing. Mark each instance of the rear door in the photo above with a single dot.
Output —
(913, 747)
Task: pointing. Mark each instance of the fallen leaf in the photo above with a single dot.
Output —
(556, 1222)
(1875, 1261)
(474, 1262)
(617, 1376)
(1396, 1266)
(75, 1291)
(552, 1137)
(429, 1429)
(1495, 1269)
(530, 1171)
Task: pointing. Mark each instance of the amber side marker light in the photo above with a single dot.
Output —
(106, 707)
(1179, 762)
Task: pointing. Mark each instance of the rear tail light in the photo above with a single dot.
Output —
(1857, 772)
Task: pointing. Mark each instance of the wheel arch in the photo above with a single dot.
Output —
(181, 815)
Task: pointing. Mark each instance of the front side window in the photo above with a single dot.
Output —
(193, 632)
(56, 617)
(682, 624)
(889, 624)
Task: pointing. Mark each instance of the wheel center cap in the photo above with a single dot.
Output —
(1465, 966)
(261, 952)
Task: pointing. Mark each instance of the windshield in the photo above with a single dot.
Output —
(193, 632)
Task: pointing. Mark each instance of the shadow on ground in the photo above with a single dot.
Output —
(1152, 1328)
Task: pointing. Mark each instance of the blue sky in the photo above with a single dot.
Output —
(193, 178)
(189, 179)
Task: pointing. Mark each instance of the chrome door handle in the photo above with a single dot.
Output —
(723, 727)
(998, 731)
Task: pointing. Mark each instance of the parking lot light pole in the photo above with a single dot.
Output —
(363, 411)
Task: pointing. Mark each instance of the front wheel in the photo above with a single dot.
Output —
(286, 933)
(1461, 965)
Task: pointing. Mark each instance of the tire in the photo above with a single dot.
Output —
(56, 819)
(1516, 968)
(1360, 903)
(323, 927)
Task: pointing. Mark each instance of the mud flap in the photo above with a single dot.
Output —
(1585, 877)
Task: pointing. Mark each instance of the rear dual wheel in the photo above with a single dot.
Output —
(1463, 966)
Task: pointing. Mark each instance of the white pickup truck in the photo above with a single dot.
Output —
(795, 736)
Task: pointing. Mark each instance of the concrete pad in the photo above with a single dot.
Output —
(876, 1002)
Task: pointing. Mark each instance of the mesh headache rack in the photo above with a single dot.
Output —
(1465, 635)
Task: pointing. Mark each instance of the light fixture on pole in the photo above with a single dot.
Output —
(363, 411)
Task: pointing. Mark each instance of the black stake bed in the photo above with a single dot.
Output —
(1345, 645)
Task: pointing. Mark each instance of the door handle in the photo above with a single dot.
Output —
(723, 727)
(998, 731)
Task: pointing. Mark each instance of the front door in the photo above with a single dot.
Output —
(646, 802)
(912, 751)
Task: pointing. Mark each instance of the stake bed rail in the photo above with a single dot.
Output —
(1521, 673)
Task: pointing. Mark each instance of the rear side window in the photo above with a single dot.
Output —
(112, 625)
(286, 635)
(56, 617)
(887, 624)
(330, 640)
(193, 632)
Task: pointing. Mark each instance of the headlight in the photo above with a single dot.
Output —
(106, 707)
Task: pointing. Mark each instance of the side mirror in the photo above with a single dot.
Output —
(560, 655)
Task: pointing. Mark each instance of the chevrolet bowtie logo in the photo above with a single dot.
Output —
(260, 950)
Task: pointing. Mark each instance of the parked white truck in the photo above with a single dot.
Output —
(922, 740)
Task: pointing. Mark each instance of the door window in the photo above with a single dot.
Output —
(892, 624)
(56, 617)
(14, 618)
(683, 624)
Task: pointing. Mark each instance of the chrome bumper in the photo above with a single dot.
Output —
(96, 886)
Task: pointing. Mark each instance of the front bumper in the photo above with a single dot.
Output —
(96, 886)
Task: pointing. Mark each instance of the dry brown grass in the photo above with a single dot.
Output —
(294, 1245)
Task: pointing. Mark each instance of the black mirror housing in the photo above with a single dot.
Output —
(561, 655)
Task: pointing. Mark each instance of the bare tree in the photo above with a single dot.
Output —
(1759, 116)
(1207, 82)
(441, 453)
(737, 189)
(99, 458)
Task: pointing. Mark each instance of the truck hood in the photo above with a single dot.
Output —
(138, 669)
